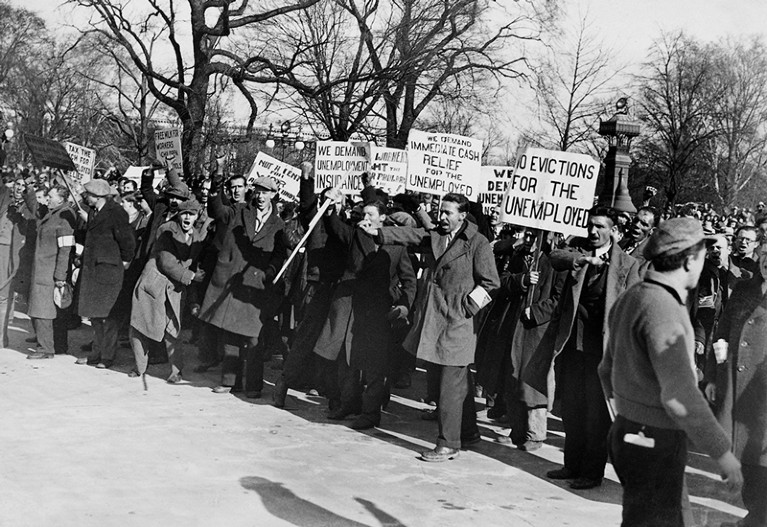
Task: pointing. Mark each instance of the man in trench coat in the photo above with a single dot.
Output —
(108, 248)
(240, 296)
(459, 277)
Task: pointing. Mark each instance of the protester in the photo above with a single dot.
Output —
(459, 281)
(108, 247)
(646, 374)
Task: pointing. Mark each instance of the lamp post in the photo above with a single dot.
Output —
(619, 130)
(285, 139)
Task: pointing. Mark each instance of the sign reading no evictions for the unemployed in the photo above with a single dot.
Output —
(340, 164)
(168, 143)
(442, 163)
(288, 177)
(551, 190)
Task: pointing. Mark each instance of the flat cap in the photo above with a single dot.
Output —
(674, 236)
(190, 205)
(265, 182)
(181, 190)
(99, 187)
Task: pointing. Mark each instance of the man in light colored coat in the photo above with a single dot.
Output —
(459, 278)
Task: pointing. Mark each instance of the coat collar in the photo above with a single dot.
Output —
(458, 247)
(249, 221)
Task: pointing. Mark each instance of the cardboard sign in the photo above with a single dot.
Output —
(551, 190)
(493, 185)
(340, 164)
(442, 163)
(134, 174)
(288, 177)
(84, 160)
(388, 169)
(49, 153)
(168, 143)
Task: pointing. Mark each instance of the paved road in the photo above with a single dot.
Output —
(86, 447)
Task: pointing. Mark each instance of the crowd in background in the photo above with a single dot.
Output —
(382, 279)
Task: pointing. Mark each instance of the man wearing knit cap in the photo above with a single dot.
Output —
(648, 375)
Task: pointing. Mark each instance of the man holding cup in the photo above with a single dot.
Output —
(739, 391)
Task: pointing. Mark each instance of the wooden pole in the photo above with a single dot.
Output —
(69, 188)
(312, 225)
(534, 265)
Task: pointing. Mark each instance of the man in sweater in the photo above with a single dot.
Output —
(648, 375)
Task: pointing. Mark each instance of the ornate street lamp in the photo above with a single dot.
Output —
(619, 130)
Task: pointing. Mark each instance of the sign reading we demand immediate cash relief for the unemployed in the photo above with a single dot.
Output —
(551, 190)
(442, 163)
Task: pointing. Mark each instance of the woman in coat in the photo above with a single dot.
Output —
(156, 307)
(50, 270)
(740, 392)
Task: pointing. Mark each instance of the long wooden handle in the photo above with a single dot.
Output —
(312, 225)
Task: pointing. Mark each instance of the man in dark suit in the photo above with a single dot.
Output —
(108, 248)
(599, 271)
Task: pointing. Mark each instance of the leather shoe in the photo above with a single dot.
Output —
(585, 483)
(133, 374)
(253, 394)
(365, 422)
(341, 413)
(105, 365)
(530, 446)
(222, 389)
(561, 473)
(280, 393)
(496, 412)
(440, 453)
(174, 379)
(504, 440)
(39, 355)
(467, 442)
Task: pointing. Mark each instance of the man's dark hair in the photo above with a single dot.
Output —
(671, 262)
(458, 199)
(654, 212)
(378, 204)
(61, 191)
(746, 228)
(607, 212)
(132, 182)
(237, 176)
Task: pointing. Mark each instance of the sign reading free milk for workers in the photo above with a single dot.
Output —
(442, 163)
(551, 190)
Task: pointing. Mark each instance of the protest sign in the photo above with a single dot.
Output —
(551, 190)
(167, 143)
(493, 185)
(288, 177)
(134, 174)
(84, 160)
(340, 164)
(49, 153)
(442, 163)
(388, 169)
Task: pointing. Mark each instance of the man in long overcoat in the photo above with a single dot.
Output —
(107, 251)
(459, 277)
(599, 271)
(377, 287)
(740, 393)
(240, 296)
(50, 270)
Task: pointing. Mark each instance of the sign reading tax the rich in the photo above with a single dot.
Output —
(84, 160)
(288, 177)
(551, 190)
(340, 165)
(443, 163)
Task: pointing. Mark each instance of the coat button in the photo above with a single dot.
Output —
(744, 343)
(751, 321)
(741, 368)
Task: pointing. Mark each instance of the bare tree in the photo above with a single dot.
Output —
(200, 48)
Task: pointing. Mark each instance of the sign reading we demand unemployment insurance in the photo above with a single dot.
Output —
(442, 163)
(551, 190)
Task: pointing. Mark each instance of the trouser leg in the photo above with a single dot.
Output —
(517, 412)
(230, 365)
(104, 339)
(469, 428)
(454, 386)
(573, 409)
(60, 335)
(433, 381)
(44, 331)
(755, 495)
(596, 421)
(536, 424)
(139, 343)
(175, 354)
(98, 337)
(652, 478)
(374, 395)
(6, 311)
(208, 344)
(254, 351)
(349, 384)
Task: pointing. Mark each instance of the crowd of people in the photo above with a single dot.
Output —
(537, 321)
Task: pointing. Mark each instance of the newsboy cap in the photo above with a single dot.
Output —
(99, 188)
(265, 182)
(190, 205)
(674, 236)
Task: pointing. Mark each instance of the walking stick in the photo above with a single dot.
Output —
(312, 225)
